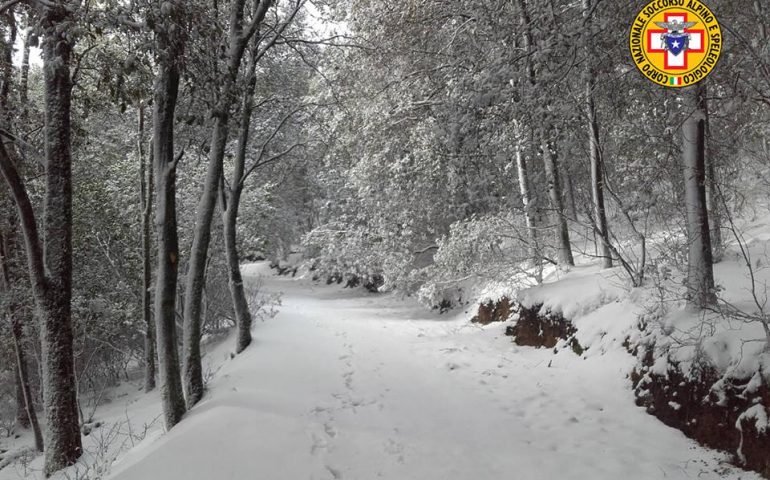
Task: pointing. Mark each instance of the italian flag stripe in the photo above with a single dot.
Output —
(676, 81)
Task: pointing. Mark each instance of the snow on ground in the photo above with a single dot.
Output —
(343, 384)
(348, 385)
(126, 419)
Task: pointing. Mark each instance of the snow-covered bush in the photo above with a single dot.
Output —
(476, 252)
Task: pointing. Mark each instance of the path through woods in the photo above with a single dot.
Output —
(347, 385)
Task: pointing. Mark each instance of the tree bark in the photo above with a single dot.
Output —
(700, 275)
(145, 204)
(23, 378)
(24, 79)
(524, 188)
(6, 65)
(569, 195)
(24, 83)
(230, 205)
(196, 272)
(550, 160)
(9, 260)
(50, 265)
(713, 197)
(597, 180)
(63, 446)
(10, 266)
(714, 209)
(529, 213)
(547, 145)
(761, 24)
(166, 91)
(22, 416)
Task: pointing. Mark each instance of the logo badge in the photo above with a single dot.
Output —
(675, 43)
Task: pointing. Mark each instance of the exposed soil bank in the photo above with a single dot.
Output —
(729, 416)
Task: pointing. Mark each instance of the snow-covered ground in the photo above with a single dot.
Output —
(343, 384)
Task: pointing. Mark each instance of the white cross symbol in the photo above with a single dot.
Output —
(655, 43)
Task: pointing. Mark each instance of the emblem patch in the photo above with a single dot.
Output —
(675, 43)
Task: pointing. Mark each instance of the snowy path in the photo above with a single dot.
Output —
(346, 385)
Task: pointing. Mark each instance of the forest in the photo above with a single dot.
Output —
(419, 221)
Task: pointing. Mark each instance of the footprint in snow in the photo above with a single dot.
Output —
(396, 449)
(330, 430)
(336, 474)
(318, 444)
(348, 376)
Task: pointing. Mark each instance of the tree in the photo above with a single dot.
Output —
(50, 258)
(597, 168)
(551, 161)
(146, 179)
(530, 210)
(700, 274)
(9, 267)
(546, 133)
(169, 19)
(239, 36)
(11, 261)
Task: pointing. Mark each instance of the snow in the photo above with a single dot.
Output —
(736, 348)
(343, 384)
(582, 290)
(757, 414)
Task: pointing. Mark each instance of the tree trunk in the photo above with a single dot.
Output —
(526, 29)
(714, 210)
(24, 80)
(22, 375)
(713, 198)
(22, 416)
(237, 291)
(547, 146)
(8, 240)
(165, 98)
(10, 263)
(554, 193)
(50, 265)
(230, 205)
(761, 24)
(597, 185)
(196, 270)
(527, 198)
(196, 273)
(145, 204)
(569, 195)
(700, 275)
(529, 213)
(597, 181)
(63, 446)
(6, 65)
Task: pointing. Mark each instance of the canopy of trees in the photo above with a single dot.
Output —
(150, 147)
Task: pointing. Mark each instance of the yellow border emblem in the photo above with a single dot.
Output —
(675, 43)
